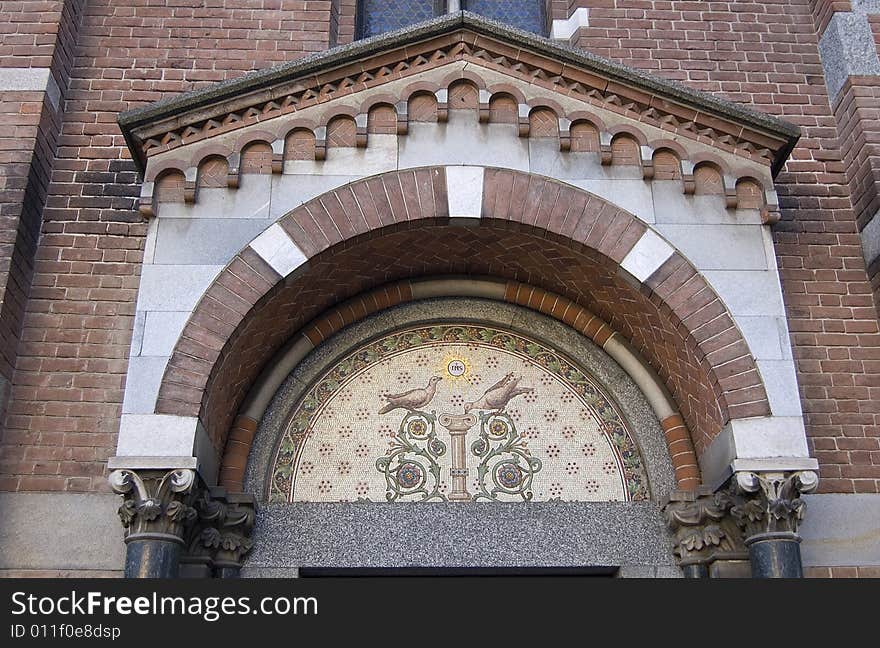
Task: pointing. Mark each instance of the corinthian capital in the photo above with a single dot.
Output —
(702, 527)
(156, 503)
(769, 504)
(221, 536)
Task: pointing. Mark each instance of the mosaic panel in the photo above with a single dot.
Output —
(527, 15)
(457, 412)
(380, 16)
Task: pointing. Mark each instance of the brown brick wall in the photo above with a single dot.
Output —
(824, 10)
(765, 54)
(857, 109)
(69, 372)
(41, 35)
(69, 377)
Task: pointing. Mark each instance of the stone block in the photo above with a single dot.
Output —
(748, 292)
(767, 337)
(464, 190)
(292, 189)
(546, 159)
(278, 250)
(841, 530)
(203, 241)
(249, 200)
(161, 331)
(718, 247)
(632, 195)
(464, 141)
(174, 287)
(671, 205)
(60, 531)
(847, 49)
(358, 534)
(166, 435)
(648, 254)
(781, 384)
(142, 384)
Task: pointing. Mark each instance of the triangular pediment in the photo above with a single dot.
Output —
(295, 88)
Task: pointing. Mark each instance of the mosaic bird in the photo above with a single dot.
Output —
(498, 395)
(413, 399)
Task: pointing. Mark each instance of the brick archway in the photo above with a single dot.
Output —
(533, 230)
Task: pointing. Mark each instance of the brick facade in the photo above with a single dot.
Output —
(72, 173)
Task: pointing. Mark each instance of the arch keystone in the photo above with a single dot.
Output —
(464, 191)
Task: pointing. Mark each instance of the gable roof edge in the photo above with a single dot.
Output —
(256, 81)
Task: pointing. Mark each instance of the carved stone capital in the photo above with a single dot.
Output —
(769, 504)
(703, 529)
(221, 536)
(157, 504)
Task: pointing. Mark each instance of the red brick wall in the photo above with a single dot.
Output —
(766, 54)
(71, 365)
(824, 10)
(35, 35)
(343, 18)
(67, 391)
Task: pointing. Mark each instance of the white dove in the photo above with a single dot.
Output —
(498, 395)
(413, 399)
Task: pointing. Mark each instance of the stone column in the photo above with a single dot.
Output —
(156, 512)
(458, 426)
(706, 537)
(768, 510)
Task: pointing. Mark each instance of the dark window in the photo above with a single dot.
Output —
(379, 16)
(527, 15)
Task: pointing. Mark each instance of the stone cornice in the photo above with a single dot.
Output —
(346, 70)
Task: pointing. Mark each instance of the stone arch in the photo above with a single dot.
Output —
(533, 230)
(580, 320)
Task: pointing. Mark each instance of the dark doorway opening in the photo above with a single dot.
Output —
(372, 572)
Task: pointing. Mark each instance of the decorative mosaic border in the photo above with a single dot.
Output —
(282, 472)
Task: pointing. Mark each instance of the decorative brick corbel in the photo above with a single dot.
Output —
(190, 177)
(606, 155)
(484, 110)
(525, 124)
(402, 108)
(442, 105)
(233, 173)
(730, 198)
(361, 133)
(770, 214)
(321, 143)
(647, 154)
(564, 134)
(687, 178)
(146, 205)
(278, 157)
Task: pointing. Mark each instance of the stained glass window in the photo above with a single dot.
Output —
(527, 15)
(380, 16)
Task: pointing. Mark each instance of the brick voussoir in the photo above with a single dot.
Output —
(301, 230)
